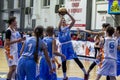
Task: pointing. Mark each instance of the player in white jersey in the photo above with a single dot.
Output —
(110, 55)
(102, 34)
(11, 47)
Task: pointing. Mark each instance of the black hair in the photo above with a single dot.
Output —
(118, 29)
(50, 30)
(11, 19)
(105, 25)
(38, 33)
(110, 31)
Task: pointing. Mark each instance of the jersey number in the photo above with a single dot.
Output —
(29, 47)
(111, 46)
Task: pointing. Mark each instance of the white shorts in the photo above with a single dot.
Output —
(12, 59)
(108, 68)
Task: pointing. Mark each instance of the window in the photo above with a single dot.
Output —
(46, 2)
(5, 4)
(31, 3)
(27, 3)
(16, 3)
(102, 0)
(61, 2)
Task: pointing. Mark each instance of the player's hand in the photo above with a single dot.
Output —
(64, 57)
(51, 71)
(99, 56)
(24, 38)
(21, 39)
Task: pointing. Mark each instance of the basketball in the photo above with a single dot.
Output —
(62, 10)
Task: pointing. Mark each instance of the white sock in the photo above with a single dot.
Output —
(64, 74)
(83, 69)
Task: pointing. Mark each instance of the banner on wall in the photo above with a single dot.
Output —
(84, 48)
(77, 8)
(114, 7)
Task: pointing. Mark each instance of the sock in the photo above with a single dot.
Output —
(83, 69)
(64, 74)
(108, 78)
(14, 76)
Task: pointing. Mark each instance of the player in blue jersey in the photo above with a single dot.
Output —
(31, 50)
(19, 35)
(52, 51)
(118, 49)
(66, 44)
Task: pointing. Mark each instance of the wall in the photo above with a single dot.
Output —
(45, 16)
(100, 15)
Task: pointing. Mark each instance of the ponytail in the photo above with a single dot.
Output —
(36, 51)
(38, 33)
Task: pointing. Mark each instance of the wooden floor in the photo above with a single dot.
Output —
(3, 62)
(72, 68)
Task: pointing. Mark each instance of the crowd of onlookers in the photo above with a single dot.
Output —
(81, 35)
(75, 35)
(1, 39)
(23, 34)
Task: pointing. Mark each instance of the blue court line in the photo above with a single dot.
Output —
(71, 78)
(2, 79)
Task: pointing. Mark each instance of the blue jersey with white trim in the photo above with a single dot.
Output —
(30, 46)
(118, 51)
(64, 34)
(48, 41)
